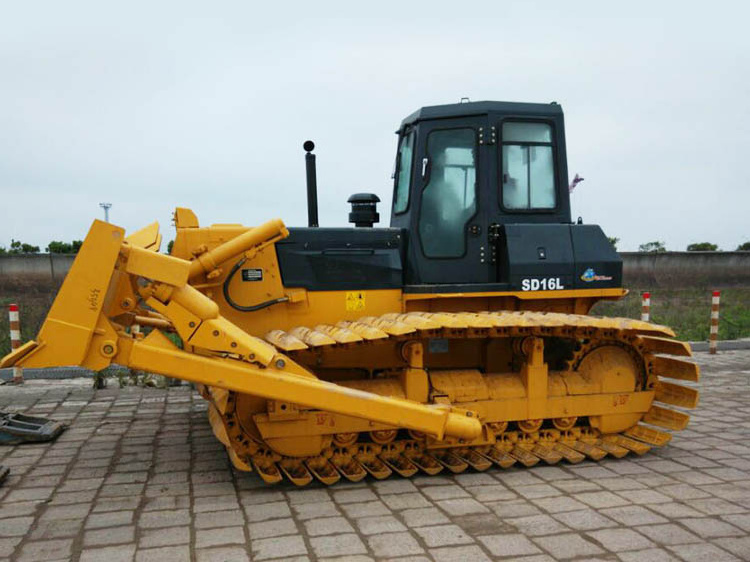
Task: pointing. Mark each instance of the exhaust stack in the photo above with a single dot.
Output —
(312, 184)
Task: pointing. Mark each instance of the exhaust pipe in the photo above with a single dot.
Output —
(312, 184)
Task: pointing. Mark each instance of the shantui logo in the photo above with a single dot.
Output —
(590, 275)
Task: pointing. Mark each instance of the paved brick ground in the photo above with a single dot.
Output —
(139, 476)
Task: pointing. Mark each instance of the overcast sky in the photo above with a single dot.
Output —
(154, 105)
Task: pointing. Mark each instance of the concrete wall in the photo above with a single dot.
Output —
(714, 270)
(668, 269)
(39, 267)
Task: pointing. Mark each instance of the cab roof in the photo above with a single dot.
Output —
(483, 108)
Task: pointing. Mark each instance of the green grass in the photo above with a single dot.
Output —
(688, 311)
(33, 309)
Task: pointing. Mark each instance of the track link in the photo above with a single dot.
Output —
(406, 454)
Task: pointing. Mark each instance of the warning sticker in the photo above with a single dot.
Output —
(355, 301)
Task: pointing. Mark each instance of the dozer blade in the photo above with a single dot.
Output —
(668, 419)
(65, 336)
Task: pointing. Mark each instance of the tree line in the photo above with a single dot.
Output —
(657, 247)
(55, 247)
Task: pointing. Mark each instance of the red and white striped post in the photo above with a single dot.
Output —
(646, 307)
(714, 335)
(15, 340)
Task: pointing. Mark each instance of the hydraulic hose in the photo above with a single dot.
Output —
(252, 308)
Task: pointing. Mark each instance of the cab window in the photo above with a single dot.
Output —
(449, 198)
(528, 166)
(403, 173)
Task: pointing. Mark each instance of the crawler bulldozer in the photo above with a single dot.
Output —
(459, 337)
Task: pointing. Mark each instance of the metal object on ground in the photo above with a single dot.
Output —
(19, 428)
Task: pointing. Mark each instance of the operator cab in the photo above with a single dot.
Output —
(463, 172)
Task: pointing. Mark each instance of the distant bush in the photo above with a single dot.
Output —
(655, 247)
(744, 247)
(702, 247)
(56, 247)
(613, 241)
(18, 247)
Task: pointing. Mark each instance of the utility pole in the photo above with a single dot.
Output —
(106, 207)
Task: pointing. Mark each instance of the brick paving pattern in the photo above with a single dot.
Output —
(139, 476)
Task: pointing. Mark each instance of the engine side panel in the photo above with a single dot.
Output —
(330, 259)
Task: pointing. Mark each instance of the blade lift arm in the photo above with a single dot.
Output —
(81, 329)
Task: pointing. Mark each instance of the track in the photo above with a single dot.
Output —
(384, 451)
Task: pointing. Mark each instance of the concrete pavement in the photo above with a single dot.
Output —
(139, 476)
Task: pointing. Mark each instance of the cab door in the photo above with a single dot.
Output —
(449, 236)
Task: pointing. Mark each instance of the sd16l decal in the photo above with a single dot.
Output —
(544, 284)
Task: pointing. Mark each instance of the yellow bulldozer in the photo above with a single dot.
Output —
(459, 337)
